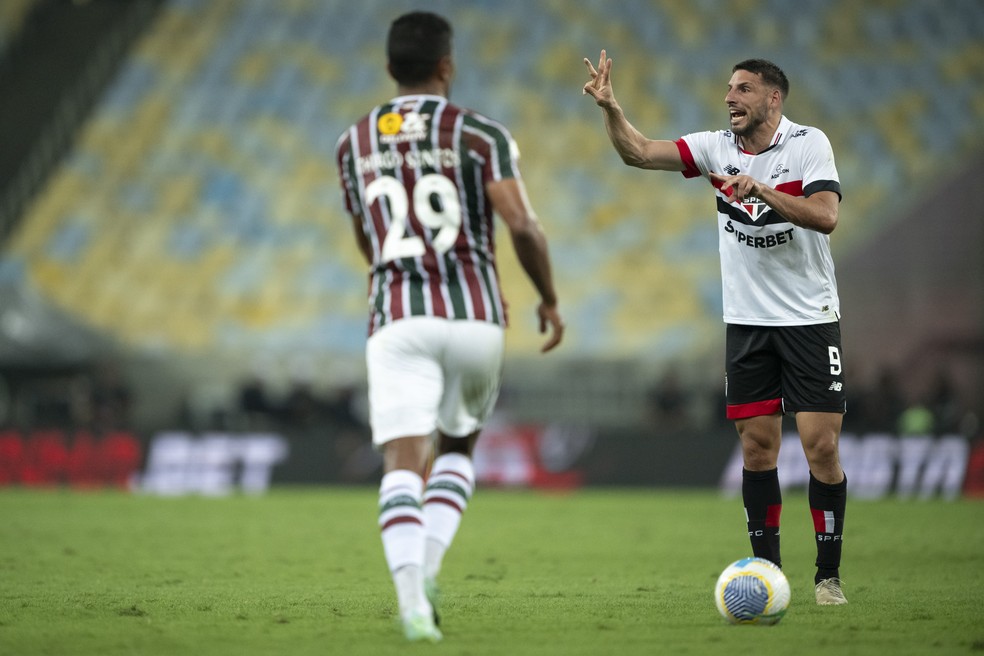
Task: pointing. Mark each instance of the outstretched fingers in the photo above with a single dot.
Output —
(592, 71)
(589, 86)
(599, 76)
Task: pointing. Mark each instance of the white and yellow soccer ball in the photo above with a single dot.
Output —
(752, 591)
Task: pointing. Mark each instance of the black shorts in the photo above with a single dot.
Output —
(772, 369)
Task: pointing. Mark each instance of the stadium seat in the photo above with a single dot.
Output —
(199, 207)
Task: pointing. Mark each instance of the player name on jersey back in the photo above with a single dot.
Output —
(394, 159)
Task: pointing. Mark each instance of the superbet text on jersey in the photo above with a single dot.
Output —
(774, 273)
(415, 169)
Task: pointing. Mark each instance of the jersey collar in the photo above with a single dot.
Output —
(781, 134)
(416, 97)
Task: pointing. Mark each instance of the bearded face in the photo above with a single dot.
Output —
(749, 101)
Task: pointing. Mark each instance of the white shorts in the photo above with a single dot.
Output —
(428, 373)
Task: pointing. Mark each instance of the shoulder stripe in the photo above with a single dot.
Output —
(823, 185)
(793, 187)
(690, 165)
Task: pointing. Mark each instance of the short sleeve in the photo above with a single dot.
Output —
(819, 169)
(695, 152)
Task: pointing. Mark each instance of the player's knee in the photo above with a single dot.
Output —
(409, 453)
(758, 445)
(759, 461)
(759, 455)
(822, 452)
(463, 445)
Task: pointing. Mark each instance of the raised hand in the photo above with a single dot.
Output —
(599, 86)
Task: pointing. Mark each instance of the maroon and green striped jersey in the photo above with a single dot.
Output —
(415, 169)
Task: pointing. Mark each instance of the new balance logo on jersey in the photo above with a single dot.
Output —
(732, 170)
(835, 387)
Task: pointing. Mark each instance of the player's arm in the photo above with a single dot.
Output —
(361, 239)
(508, 197)
(343, 154)
(634, 148)
(818, 211)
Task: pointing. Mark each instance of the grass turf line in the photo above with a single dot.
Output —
(593, 572)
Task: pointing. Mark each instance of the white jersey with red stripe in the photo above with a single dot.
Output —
(773, 272)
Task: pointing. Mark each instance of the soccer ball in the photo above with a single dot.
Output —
(752, 591)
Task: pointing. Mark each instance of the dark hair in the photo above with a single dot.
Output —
(769, 72)
(416, 43)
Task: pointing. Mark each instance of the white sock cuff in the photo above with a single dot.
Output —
(457, 463)
(410, 481)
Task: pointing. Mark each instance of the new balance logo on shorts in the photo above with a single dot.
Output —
(835, 387)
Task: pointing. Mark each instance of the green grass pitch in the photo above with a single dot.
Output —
(591, 572)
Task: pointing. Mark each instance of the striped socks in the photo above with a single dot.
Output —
(449, 488)
(401, 524)
(418, 525)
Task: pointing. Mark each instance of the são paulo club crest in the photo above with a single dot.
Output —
(753, 207)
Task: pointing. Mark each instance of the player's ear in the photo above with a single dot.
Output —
(445, 69)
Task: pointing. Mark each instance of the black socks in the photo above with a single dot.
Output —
(763, 505)
(827, 503)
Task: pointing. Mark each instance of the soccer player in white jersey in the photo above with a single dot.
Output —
(421, 179)
(777, 194)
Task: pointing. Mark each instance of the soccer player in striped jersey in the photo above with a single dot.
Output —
(777, 193)
(422, 179)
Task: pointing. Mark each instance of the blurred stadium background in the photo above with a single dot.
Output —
(174, 255)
